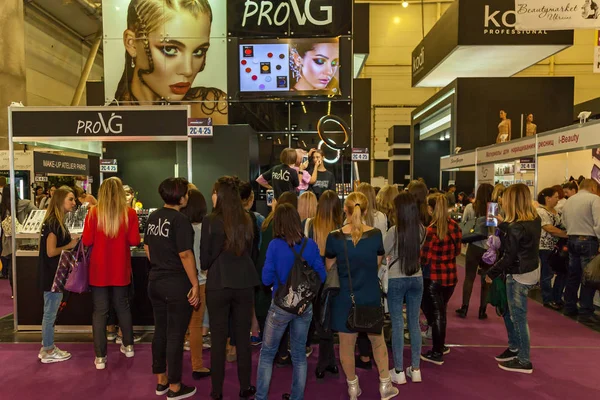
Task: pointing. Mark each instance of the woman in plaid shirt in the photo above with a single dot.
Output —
(442, 246)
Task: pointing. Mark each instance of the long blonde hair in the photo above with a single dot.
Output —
(385, 202)
(498, 193)
(56, 209)
(307, 205)
(328, 218)
(369, 212)
(518, 205)
(112, 207)
(439, 217)
(356, 205)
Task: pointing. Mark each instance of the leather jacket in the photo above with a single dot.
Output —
(520, 248)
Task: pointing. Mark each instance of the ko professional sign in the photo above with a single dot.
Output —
(48, 163)
(98, 122)
(300, 18)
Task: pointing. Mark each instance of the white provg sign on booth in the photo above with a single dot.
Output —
(557, 14)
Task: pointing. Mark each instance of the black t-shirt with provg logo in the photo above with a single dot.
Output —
(282, 178)
(168, 233)
(325, 181)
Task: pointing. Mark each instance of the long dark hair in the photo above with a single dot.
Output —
(196, 208)
(419, 190)
(483, 196)
(237, 223)
(408, 233)
(329, 217)
(286, 224)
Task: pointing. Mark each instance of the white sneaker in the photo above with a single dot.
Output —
(415, 376)
(186, 345)
(398, 378)
(128, 351)
(57, 355)
(427, 334)
(100, 362)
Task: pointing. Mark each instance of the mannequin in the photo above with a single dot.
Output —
(530, 127)
(504, 128)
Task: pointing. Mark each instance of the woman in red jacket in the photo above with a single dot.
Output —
(111, 228)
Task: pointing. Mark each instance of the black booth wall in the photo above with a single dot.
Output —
(362, 123)
(427, 155)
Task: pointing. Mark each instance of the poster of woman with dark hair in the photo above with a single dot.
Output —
(167, 46)
(590, 9)
(315, 66)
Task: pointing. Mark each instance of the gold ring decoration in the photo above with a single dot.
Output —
(329, 142)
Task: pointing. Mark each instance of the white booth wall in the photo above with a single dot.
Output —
(555, 169)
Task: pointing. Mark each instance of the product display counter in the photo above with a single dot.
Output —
(77, 315)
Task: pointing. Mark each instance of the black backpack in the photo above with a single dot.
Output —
(301, 288)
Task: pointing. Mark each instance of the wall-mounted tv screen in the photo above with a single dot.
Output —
(290, 68)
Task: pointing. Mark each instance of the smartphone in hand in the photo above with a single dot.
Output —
(270, 197)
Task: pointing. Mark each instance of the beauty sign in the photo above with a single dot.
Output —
(360, 154)
(199, 127)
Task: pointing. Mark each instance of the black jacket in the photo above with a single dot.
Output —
(520, 248)
(226, 269)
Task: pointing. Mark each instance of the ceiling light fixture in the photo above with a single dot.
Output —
(405, 4)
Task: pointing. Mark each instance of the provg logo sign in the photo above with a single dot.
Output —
(264, 12)
(418, 62)
(496, 22)
(113, 125)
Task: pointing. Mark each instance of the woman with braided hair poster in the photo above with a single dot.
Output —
(174, 53)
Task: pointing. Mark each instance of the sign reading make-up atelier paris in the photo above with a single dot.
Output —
(291, 18)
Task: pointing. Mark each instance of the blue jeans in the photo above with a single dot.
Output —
(581, 252)
(275, 326)
(410, 289)
(515, 318)
(551, 293)
(51, 305)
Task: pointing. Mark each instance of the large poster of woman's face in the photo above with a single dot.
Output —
(167, 52)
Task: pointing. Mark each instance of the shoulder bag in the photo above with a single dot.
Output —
(591, 273)
(78, 280)
(474, 230)
(362, 318)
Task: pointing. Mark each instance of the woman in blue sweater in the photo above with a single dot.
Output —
(280, 259)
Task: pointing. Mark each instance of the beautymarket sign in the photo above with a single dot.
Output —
(557, 14)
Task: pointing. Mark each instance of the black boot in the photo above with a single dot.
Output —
(462, 312)
(248, 393)
(482, 313)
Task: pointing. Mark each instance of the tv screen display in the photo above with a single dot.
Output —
(290, 67)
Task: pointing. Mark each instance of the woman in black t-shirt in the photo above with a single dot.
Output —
(173, 286)
(283, 177)
(321, 179)
(54, 239)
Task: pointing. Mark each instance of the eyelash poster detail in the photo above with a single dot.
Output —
(167, 55)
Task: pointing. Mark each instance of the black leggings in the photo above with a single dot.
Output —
(473, 262)
(435, 307)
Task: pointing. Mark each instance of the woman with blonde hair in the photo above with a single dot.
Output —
(357, 249)
(307, 205)
(520, 237)
(54, 239)
(438, 257)
(372, 217)
(111, 228)
(385, 203)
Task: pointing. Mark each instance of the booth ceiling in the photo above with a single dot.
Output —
(82, 17)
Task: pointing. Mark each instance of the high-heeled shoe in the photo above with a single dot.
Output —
(248, 393)
(354, 389)
(462, 312)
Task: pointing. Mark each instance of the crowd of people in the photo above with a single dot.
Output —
(229, 264)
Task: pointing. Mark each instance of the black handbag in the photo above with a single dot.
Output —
(559, 257)
(363, 318)
(474, 230)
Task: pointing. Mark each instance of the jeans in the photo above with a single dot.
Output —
(172, 313)
(221, 304)
(51, 305)
(101, 297)
(515, 318)
(581, 251)
(410, 289)
(277, 322)
(551, 293)
(435, 307)
(473, 262)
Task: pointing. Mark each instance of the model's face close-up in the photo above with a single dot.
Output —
(178, 59)
(530, 118)
(320, 65)
(502, 114)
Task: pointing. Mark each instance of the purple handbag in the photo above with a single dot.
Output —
(65, 263)
(78, 280)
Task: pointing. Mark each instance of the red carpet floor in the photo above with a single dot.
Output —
(6, 303)
(565, 355)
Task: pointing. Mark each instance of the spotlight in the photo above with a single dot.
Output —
(405, 4)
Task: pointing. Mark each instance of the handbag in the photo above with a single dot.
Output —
(363, 318)
(497, 296)
(7, 226)
(474, 230)
(591, 273)
(65, 262)
(78, 280)
(559, 257)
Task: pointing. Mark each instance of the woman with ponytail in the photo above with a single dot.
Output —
(442, 246)
(163, 71)
(358, 248)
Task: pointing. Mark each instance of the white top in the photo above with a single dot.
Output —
(197, 237)
(528, 278)
(581, 214)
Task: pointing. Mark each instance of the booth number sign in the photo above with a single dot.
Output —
(199, 127)
(108, 165)
(360, 154)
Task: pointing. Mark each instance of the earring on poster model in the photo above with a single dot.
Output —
(132, 62)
